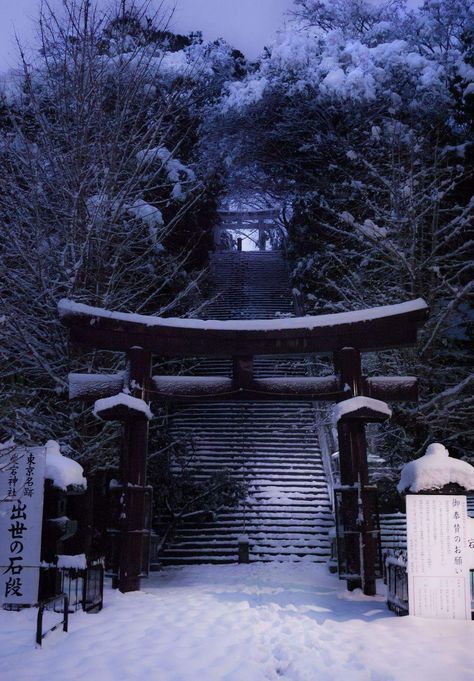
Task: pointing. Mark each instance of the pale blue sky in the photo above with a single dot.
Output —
(247, 24)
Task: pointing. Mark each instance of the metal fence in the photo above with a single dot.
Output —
(83, 587)
(75, 589)
(51, 604)
(396, 578)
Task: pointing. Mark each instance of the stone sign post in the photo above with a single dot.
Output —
(21, 511)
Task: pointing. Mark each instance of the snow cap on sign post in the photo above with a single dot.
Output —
(122, 407)
(61, 470)
(436, 471)
(361, 408)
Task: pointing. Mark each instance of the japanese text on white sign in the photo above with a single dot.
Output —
(438, 574)
(21, 511)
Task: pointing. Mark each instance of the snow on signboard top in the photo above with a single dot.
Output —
(122, 399)
(354, 404)
(62, 470)
(68, 308)
(76, 562)
(434, 470)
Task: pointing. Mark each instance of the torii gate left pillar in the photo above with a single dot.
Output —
(133, 463)
(359, 499)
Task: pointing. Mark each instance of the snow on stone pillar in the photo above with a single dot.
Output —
(65, 536)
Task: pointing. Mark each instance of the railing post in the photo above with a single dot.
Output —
(262, 237)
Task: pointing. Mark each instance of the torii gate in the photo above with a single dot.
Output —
(346, 335)
(260, 221)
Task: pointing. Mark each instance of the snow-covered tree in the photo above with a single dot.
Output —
(358, 119)
(103, 198)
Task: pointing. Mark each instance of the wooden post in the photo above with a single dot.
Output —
(244, 549)
(242, 372)
(368, 538)
(347, 365)
(133, 473)
(361, 539)
(349, 510)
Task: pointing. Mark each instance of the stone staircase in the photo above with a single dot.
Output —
(393, 531)
(273, 448)
(264, 366)
(249, 285)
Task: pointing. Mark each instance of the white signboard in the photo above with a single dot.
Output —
(21, 514)
(438, 571)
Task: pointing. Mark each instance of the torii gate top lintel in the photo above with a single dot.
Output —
(377, 328)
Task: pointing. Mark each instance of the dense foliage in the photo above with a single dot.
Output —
(359, 120)
(104, 198)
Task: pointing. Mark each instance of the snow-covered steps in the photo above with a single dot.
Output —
(393, 531)
(249, 285)
(264, 366)
(273, 448)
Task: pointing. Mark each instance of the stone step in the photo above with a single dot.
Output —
(233, 534)
(203, 544)
(272, 522)
(257, 466)
(221, 553)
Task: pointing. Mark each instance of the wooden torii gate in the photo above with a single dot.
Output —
(345, 335)
(239, 222)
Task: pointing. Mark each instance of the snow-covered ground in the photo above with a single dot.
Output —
(239, 623)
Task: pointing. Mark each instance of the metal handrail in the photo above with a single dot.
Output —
(326, 454)
(39, 622)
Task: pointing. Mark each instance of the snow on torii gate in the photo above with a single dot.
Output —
(345, 335)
